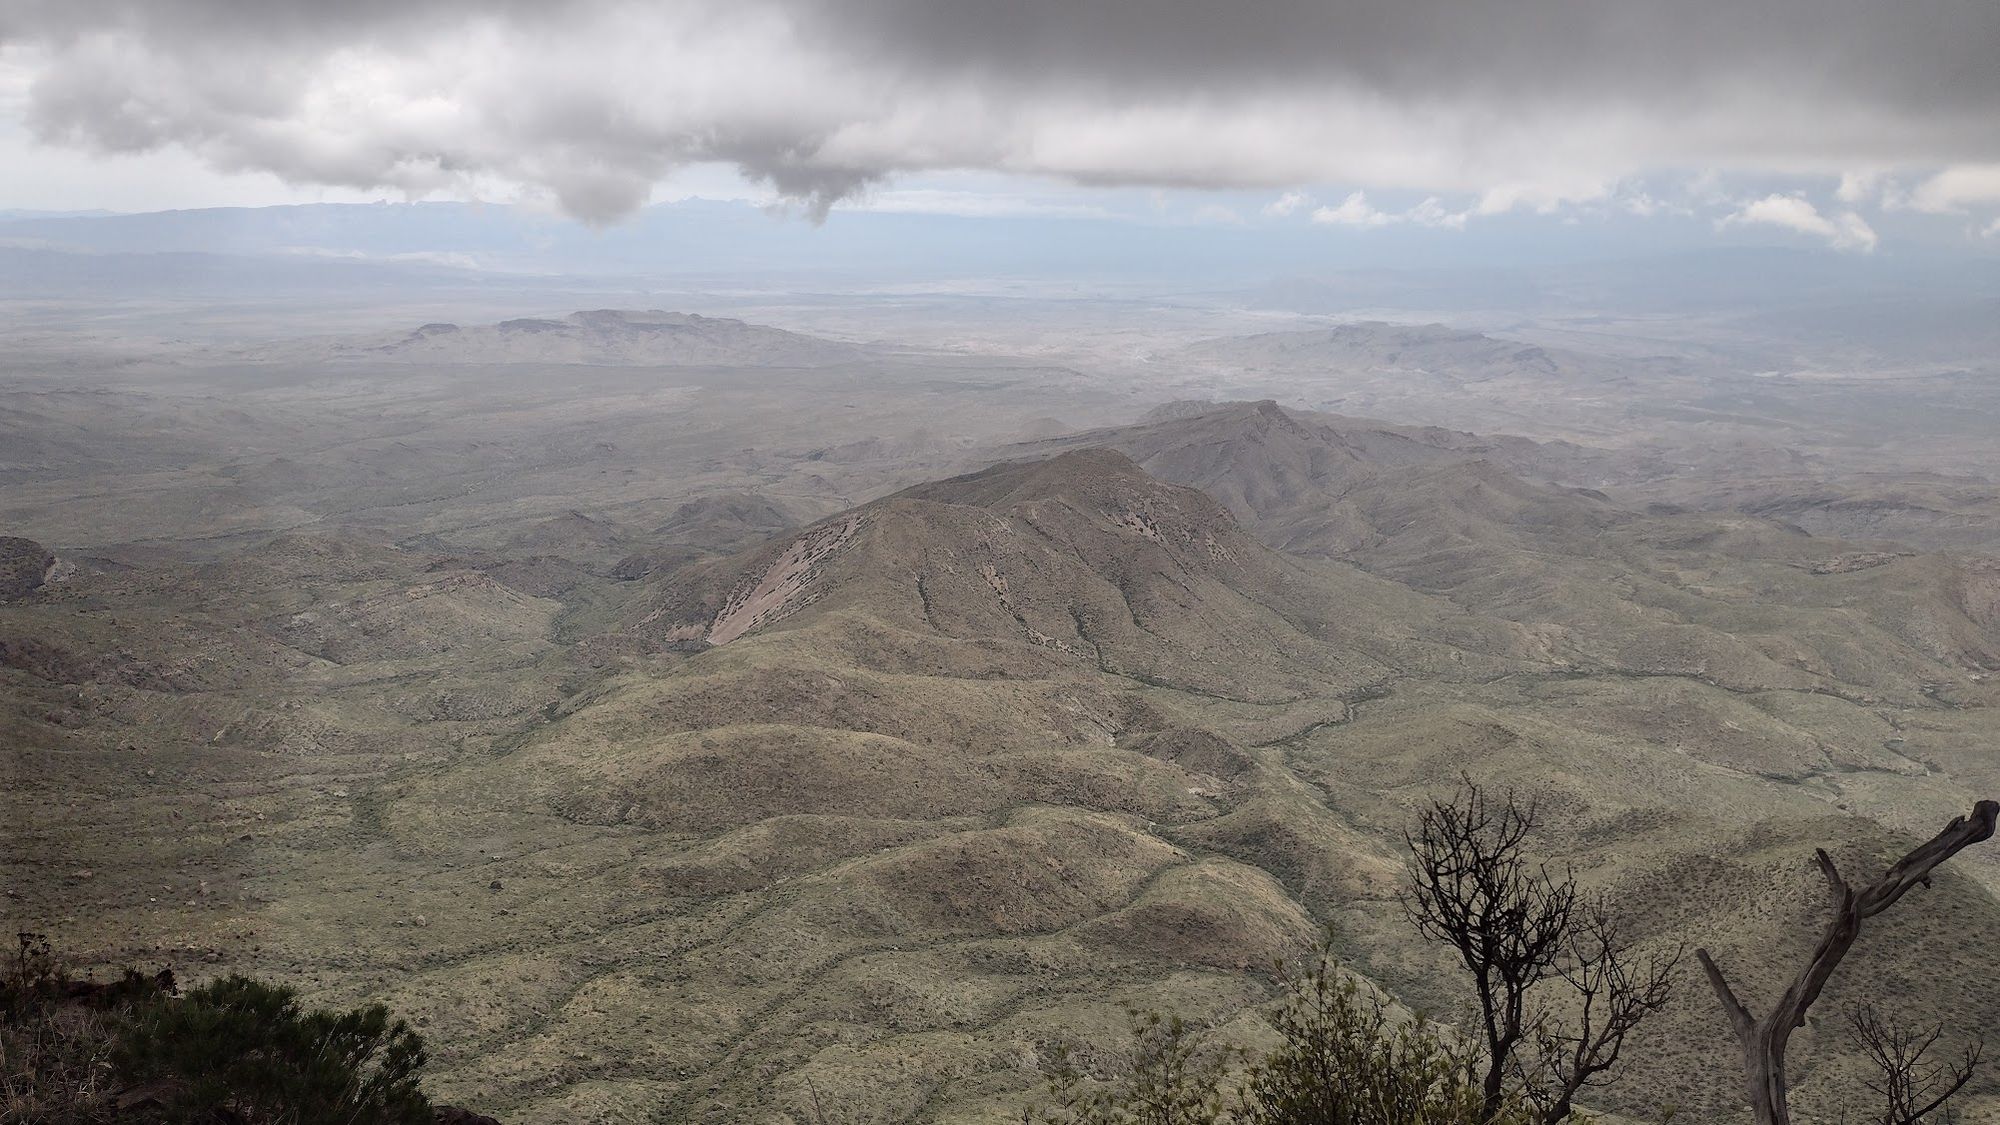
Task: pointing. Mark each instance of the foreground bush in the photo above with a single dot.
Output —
(242, 1050)
(1342, 1060)
(233, 1052)
(56, 1035)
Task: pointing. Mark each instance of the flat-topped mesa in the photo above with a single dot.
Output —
(607, 337)
(1379, 344)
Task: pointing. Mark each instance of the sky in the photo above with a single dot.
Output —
(1839, 123)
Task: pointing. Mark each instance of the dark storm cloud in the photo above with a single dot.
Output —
(1528, 103)
(1928, 55)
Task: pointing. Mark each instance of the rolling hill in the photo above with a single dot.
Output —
(881, 808)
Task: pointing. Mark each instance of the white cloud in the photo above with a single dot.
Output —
(1844, 231)
(1432, 213)
(1858, 186)
(1354, 211)
(1957, 187)
(1636, 200)
(1286, 204)
(1854, 233)
(1543, 195)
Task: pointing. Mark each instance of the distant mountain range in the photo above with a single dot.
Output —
(606, 336)
(1418, 350)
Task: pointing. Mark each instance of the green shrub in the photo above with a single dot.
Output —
(241, 1050)
(1164, 1079)
(1344, 1061)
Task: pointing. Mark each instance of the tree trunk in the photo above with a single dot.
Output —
(1764, 1039)
(1764, 1065)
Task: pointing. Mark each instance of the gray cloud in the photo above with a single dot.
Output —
(1529, 103)
(1912, 55)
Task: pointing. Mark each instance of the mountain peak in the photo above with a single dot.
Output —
(1076, 473)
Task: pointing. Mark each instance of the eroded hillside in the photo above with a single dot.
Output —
(692, 801)
(890, 803)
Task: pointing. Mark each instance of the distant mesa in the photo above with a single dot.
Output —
(24, 566)
(1434, 349)
(608, 337)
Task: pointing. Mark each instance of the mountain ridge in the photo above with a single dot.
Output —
(613, 337)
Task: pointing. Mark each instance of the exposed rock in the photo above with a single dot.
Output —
(24, 566)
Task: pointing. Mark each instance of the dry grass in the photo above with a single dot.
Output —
(55, 1069)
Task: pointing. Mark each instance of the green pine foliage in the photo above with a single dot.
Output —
(74, 1051)
(239, 1049)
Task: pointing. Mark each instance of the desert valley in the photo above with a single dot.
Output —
(780, 712)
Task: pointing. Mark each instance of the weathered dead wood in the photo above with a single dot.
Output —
(1764, 1038)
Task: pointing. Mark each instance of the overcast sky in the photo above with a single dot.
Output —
(1815, 118)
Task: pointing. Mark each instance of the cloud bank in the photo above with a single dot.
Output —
(1845, 230)
(594, 101)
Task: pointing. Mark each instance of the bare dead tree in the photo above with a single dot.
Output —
(1616, 989)
(1474, 888)
(1913, 1086)
(1764, 1038)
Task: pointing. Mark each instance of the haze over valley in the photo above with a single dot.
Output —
(874, 708)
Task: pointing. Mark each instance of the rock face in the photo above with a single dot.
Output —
(24, 565)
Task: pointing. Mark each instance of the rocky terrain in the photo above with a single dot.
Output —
(24, 566)
(698, 741)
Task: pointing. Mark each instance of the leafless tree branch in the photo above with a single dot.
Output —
(1764, 1039)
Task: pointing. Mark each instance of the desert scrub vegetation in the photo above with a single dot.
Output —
(1521, 929)
(1343, 1058)
(57, 1036)
(235, 1051)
